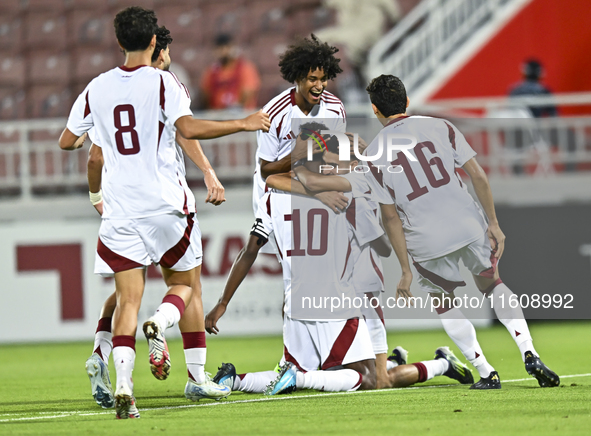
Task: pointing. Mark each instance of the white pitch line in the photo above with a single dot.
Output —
(253, 400)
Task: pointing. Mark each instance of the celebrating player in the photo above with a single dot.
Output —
(148, 208)
(191, 323)
(426, 209)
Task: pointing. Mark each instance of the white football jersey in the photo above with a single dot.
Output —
(438, 214)
(315, 245)
(133, 112)
(362, 216)
(286, 118)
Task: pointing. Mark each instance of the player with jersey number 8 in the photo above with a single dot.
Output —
(428, 212)
(148, 211)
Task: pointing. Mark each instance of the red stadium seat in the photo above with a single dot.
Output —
(12, 103)
(88, 27)
(45, 5)
(265, 51)
(8, 7)
(12, 71)
(46, 29)
(119, 5)
(223, 17)
(11, 32)
(271, 85)
(47, 67)
(94, 5)
(264, 16)
(195, 59)
(89, 63)
(48, 101)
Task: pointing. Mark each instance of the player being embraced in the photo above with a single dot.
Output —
(339, 340)
(427, 210)
(148, 214)
(191, 323)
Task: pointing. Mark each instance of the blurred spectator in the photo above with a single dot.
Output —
(232, 81)
(533, 71)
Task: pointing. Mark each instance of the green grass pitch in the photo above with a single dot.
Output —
(44, 391)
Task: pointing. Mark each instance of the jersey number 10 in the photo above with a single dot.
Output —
(297, 233)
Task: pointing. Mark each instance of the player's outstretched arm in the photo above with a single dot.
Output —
(382, 246)
(192, 148)
(284, 182)
(318, 182)
(69, 141)
(395, 232)
(192, 128)
(284, 165)
(94, 167)
(484, 194)
(239, 270)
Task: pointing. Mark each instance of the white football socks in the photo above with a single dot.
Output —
(103, 344)
(254, 382)
(461, 331)
(512, 319)
(330, 381)
(167, 315)
(124, 358)
(435, 367)
(195, 359)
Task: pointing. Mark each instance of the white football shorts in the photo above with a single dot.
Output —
(172, 240)
(443, 274)
(313, 345)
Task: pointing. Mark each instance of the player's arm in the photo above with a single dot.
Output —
(240, 268)
(192, 148)
(395, 232)
(192, 128)
(69, 141)
(94, 168)
(284, 165)
(283, 182)
(382, 246)
(318, 182)
(484, 194)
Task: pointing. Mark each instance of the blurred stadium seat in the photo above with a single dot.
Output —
(91, 28)
(44, 101)
(56, 6)
(12, 103)
(89, 63)
(11, 32)
(49, 67)
(185, 24)
(12, 71)
(46, 30)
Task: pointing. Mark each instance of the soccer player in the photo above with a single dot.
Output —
(191, 324)
(426, 209)
(148, 208)
(341, 343)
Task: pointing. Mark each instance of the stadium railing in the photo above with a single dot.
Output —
(508, 143)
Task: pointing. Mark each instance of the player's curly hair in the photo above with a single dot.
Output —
(135, 27)
(388, 94)
(307, 129)
(163, 40)
(307, 55)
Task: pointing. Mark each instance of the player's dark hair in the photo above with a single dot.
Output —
(308, 129)
(388, 94)
(135, 27)
(332, 145)
(163, 40)
(307, 55)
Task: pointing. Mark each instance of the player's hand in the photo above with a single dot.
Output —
(403, 288)
(80, 141)
(361, 144)
(335, 200)
(497, 239)
(99, 208)
(257, 121)
(212, 318)
(300, 149)
(215, 190)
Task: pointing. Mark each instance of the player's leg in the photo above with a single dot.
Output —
(251, 382)
(129, 289)
(167, 315)
(374, 318)
(479, 259)
(514, 321)
(192, 327)
(97, 364)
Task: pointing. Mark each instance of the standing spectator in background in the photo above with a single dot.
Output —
(533, 71)
(232, 81)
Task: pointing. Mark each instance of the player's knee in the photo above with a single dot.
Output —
(369, 381)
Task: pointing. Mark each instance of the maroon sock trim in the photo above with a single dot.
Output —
(104, 325)
(193, 340)
(441, 310)
(124, 341)
(190, 375)
(176, 301)
(241, 376)
(488, 290)
(422, 371)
